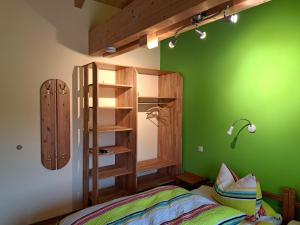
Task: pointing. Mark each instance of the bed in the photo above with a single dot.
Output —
(163, 205)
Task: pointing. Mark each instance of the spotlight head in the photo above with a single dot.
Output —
(252, 128)
(172, 43)
(202, 34)
(233, 18)
(230, 130)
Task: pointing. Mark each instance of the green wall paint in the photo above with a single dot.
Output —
(250, 69)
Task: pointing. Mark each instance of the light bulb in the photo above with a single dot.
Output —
(203, 35)
(234, 18)
(252, 128)
(172, 43)
(230, 130)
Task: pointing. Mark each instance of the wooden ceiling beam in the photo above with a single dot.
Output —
(162, 17)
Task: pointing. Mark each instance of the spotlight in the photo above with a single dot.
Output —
(233, 18)
(202, 34)
(172, 43)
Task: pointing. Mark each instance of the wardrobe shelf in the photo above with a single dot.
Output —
(114, 107)
(113, 150)
(110, 193)
(147, 182)
(103, 85)
(153, 164)
(112, 128)
(112, 171)
(155, 100)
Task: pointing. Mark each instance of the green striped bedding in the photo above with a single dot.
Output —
(167, 205)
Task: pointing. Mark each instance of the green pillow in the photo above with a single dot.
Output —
(243, 194)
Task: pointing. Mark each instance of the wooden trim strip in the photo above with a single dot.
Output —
(86, 138)
(95, 136)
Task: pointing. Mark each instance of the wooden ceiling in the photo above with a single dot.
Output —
(116, 3)
(139, 20)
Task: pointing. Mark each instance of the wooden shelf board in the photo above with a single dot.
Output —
(112, 128)
(158, 100)
(115, 107)
(108, 194)
(113, 150)
(103, 85)
(153, 180)
(153, 164)
(191, 178)
(112, 171)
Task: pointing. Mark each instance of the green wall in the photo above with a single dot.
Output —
(250, 69)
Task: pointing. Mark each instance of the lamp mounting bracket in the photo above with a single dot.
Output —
(197, 18)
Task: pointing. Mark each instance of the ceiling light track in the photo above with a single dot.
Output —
(197, 20)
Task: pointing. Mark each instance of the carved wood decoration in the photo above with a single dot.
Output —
(55, 124)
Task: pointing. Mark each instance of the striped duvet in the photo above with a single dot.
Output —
(167, 205)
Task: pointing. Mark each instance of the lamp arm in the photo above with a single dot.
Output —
(249, 122)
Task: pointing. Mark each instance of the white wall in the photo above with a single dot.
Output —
(147, 140)
(39, 40)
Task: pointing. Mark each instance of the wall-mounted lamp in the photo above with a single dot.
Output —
(250, 126)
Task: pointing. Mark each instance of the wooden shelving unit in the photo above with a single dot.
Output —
(157, 100)
(126, 168)
(112, 171)
(153, 164)
(113, 150)
(124, 151)
(147, 182)
(115, 107)
(111, 128)
(107, 194)
(102, 85)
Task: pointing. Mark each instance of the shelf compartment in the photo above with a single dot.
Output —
(112, 128)
(113, 150)
(114, 107)
(110, 193)
(153, 164)
(111, 171)
(104, 85)
(147, 182)
(155, 100)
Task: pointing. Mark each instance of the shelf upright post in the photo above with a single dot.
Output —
(95, 170)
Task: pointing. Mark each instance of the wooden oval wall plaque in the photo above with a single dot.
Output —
(55, 124)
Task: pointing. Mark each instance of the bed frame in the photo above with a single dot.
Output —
(289, 203)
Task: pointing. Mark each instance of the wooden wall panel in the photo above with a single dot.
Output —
(55, 124)
(63, 123)
(48, 124)
(170, 136)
